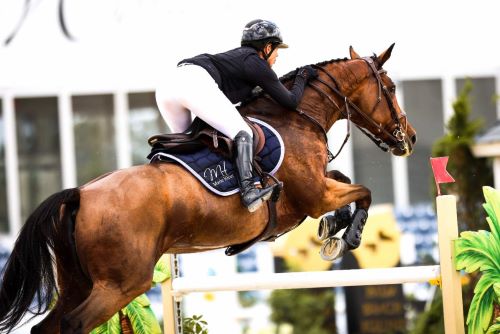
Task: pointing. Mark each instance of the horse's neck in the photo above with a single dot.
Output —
(314, 104)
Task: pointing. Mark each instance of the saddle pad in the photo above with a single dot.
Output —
(217, 173)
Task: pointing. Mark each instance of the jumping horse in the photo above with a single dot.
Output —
(104, 237)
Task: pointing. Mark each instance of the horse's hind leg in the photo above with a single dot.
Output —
(103, 302)
(73, 289)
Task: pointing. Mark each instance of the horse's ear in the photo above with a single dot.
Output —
(353, 53)
(384, 56)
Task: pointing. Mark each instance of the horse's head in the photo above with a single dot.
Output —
(374, 93)
(370, 101)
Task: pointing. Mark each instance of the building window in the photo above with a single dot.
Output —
(4, 224)
(37, 126)
(145, 120)
(94, 136)
(482, 99)
(372, 168)
(424, 105)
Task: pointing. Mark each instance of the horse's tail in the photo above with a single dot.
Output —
(29, 271)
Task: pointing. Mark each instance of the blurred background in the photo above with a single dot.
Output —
(77, 82)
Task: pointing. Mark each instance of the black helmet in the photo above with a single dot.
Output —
(259, 32)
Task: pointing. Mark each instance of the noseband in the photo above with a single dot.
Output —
(399, 133)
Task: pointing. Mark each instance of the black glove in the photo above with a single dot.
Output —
(307, 72)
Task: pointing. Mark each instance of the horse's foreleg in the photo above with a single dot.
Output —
(337, 194)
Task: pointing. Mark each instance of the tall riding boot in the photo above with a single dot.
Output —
(251, 197)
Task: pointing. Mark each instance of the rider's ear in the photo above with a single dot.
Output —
(353, 53)
(385, 55)
(269, 47)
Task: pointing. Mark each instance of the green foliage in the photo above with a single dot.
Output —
(112, 326)
(141, 316)
(495, 328)
(481, 251)
(161, 272)
(194, 325)
(139, 310)
(468, 171)
(307, 310)
(431, 321)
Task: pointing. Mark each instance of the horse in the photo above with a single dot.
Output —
(104, 237)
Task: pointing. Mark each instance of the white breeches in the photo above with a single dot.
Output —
(189, 89)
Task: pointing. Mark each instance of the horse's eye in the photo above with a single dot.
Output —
(393, 89)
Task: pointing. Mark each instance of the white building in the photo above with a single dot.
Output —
(71, 110)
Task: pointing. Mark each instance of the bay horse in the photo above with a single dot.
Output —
(106, 236)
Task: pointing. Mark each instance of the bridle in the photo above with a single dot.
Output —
(397, 136)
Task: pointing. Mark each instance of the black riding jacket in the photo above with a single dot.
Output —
(239, 71)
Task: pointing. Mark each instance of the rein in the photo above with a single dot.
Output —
(398, 134)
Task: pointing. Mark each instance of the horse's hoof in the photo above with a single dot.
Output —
(333, 248)
(332, 224)
(352, 235)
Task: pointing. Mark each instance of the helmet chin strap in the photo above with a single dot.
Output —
(267, 55)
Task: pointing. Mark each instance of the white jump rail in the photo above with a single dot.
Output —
(444, 273)
(298, 280)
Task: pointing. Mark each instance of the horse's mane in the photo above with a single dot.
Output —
(258, 93)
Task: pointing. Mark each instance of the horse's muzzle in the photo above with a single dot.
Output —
(404, 148)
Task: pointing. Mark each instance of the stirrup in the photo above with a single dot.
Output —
(256, 204)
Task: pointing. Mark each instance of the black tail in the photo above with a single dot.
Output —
(29, 271)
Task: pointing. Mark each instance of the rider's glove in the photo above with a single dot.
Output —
(307, 72)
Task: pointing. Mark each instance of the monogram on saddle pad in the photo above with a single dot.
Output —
(207, 154)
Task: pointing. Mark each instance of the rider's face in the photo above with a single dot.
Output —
(272, 58)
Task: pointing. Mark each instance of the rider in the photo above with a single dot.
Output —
(208, 86)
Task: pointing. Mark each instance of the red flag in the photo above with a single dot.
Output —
(441, 175)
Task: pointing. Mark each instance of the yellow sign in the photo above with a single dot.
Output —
(379, 246)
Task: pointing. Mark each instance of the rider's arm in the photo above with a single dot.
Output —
(259, 73)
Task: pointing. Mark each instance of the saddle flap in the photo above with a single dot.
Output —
(259, 138)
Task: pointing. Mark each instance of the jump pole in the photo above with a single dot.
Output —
(451, 285)
(445, 274)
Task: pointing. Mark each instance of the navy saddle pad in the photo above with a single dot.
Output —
(217, 173)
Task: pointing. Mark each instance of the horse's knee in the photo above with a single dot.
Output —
(366, 200)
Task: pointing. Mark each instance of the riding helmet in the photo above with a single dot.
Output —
(258, 31)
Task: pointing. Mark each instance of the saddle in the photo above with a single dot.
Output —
(200, 135)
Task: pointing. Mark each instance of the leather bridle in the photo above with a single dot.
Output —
(397, 136)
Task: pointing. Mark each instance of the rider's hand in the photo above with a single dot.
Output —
(307, 72)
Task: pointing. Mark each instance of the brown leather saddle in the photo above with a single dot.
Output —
(200, 135)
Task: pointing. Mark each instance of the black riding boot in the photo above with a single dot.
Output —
(251, 197)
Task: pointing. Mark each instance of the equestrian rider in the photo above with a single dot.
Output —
(208, 86)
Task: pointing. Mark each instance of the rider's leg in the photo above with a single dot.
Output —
(204, 99)
(199, 93)
(251, 197)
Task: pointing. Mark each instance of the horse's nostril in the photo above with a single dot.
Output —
(413, 139)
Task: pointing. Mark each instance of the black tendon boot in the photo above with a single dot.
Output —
(251, 197)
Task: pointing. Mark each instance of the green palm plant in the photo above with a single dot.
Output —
(481, 251)
(138, 312)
